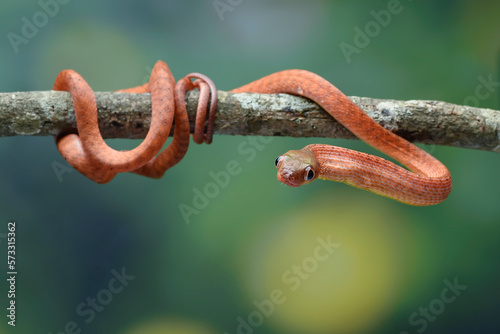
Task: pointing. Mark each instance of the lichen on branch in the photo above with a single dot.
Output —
(123, 115)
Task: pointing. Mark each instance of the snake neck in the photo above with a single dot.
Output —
(334, 158)
(380, 176)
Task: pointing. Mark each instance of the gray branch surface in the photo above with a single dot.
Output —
(123, 115)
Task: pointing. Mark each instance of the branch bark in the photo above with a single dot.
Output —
(122, 115)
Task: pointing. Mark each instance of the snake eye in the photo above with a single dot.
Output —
(277, 161)
(309, 174)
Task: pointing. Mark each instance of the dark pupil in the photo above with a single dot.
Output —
(277, 160)
(310, 175)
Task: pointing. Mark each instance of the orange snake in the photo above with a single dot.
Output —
(428, 183)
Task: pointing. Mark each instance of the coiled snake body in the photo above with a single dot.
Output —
(428, 181)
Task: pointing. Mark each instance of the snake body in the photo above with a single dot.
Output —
(91, 156)
(428, 181)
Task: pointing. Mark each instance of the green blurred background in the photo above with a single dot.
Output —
(219, 270)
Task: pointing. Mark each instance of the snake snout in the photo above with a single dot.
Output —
(288, 177)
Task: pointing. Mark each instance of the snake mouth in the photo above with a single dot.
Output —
(288, 181)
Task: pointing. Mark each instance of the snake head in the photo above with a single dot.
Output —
(296, 168)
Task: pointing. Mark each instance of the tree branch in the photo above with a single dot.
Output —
(122, 115)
